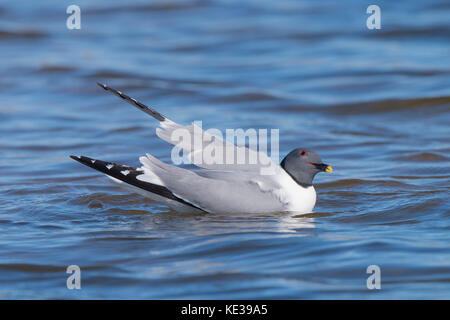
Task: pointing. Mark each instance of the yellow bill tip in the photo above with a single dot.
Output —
(329, 169)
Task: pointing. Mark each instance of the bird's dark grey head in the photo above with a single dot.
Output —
(302, 165)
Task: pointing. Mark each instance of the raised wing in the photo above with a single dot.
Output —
(202, 148)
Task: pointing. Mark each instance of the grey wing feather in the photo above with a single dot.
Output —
(215, 191)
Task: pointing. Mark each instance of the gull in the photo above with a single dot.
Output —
(217, 187)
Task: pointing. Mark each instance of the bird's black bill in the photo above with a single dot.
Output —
(323, 167)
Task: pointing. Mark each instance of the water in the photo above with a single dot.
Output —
(373, 103)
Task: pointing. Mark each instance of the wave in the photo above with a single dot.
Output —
(22, 34)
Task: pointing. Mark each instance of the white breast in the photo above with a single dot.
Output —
(297, 198)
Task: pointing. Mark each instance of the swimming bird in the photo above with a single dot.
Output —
(217, 187)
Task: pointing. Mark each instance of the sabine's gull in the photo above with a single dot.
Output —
(217, 188)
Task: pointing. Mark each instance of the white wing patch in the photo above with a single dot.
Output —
(149, 176)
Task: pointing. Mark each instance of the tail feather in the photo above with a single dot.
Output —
(129, 175)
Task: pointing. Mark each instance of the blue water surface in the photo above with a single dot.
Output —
(375, 104)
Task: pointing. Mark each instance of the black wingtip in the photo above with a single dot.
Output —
(84, 160)
(101, 85)
(155, 114)
(100, 165)
(129, 175)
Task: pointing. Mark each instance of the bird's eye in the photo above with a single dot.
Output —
(303, 153)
